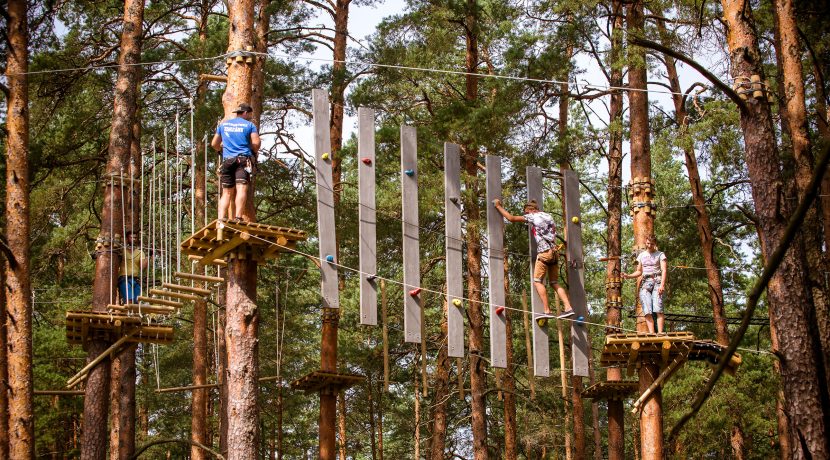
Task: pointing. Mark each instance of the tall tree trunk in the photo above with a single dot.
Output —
(791, 303)
(784, 440)
(789, 53)
(704, 228)
(441, 385)
(651, 417)
(338, 92)
(94, 437)
(508, 377)
(341, 423)
(372, 426)
(242, 314)
(478, 377)
(18, 289)
(200, 396)
(4, 370)
(613, 291)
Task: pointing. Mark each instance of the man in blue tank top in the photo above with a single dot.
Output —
(238, 141)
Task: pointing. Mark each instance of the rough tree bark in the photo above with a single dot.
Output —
(94, 436)
(791, 303)
(18, 289)
(242, 314)
(4, 393)
(200, 396)
(613, 318)
(441, 387)
(651, 418)
(478, 377)
(794, 116)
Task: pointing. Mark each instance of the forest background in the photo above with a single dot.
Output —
(545, 116)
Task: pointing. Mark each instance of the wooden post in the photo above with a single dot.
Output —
(495, 250)
(411, 245)
(453, 242)
(541, 354)
(367, 216)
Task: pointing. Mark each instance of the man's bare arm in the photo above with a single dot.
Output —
(505, 214)
(256, 142)
(216, 142)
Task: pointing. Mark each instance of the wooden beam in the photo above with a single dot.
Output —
(177, 295)
(195, 277)
(632, 358)
(219, 251)
(193, 290)
(81, 375)
(199, 259)
(157, 301)
(209, 77)
(454, 246)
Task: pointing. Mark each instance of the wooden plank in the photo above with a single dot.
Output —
(541, 340)
(219, 251)
(195, 277)
(495, 251)
(411, 250)
(367, 216)
(326, 225)
(454, 242)
(198, 259)
(580, 351)
(175, 295)
(155, 301)
(192, 290)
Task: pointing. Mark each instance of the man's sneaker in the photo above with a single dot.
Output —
(566, 314)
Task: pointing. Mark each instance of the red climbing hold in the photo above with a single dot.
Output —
(415, 292)
(367, 161)
(499, 310)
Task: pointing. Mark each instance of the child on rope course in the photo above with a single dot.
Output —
(134, 261)
(652, 266)
(547, 259)
(238, 141)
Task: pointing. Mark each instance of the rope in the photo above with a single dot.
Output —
(426, 289)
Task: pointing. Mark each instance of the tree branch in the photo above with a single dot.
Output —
(752, 299)
(695, 65)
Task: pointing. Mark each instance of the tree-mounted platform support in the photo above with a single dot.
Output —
(326, 382)
(246, 240)
(614, 391)
(669, 351)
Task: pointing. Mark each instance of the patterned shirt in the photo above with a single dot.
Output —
(542, 228)
(650, 262)
(236, 137)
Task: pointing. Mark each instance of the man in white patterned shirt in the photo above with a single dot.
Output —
(547, 259)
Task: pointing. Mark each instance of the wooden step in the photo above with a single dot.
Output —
(192, 290)
(177, 295)
(153, 300)
(143, 309)
(195, 277)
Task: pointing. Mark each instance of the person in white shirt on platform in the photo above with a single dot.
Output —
(547, 259)
(652, 266)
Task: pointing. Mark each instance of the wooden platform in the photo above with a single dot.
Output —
(611, 390)
(85, 326)
(250, 240)
(326, 381)
(630, 350)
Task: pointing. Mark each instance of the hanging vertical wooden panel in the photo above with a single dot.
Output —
(452, 225)
(325, 199)
(367, 216)
(495, 259)
(576, 274)
(411, 251)
(541, 352)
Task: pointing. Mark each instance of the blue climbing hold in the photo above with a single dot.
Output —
(409, 172)
(580, 320)
(330, 258)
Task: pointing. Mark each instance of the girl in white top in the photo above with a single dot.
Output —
(652, 266)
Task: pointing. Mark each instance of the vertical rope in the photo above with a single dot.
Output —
(111, 235)
(123, 226)
(178, 196)
(141, 217)
(165, 228)
(192, 173)
(206, 180)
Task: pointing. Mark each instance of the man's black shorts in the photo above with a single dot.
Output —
(232, 171)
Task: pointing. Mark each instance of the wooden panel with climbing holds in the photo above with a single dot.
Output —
(541, 339)
(495, 251)
(576, 275)
(411, 243)
(454, 243)
(367, 217)
(326, 226)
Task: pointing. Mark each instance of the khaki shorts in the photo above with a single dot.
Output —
(546, 262)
